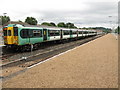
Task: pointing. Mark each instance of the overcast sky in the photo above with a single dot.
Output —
(83, 13)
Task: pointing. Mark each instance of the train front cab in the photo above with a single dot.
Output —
(10, 35)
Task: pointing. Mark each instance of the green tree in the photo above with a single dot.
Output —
(117, 30)
(53, 24)
(70, 25)
(4, 19)
(19, 21)
(31, 20)
(46, 23)
(61, 24)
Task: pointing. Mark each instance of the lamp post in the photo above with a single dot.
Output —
(68, 26)
(4, 14)
(113, 25)
(41, 21)
(110, 22)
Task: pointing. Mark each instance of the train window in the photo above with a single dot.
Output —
(85, 32)
(24, 33)
(74, 32)
(57, 33)
(80, 32)
(53, 32)
(9, 32)
(5, 32)
(15, 31)
(66, 32)
(37, 33)
(50, 33)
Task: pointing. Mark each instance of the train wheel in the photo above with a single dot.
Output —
(35, 46)
(25, 48)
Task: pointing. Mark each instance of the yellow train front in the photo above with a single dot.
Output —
(10, 35)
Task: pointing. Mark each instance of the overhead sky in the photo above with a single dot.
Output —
(83, 13)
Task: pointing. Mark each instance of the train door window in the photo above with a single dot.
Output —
(5, 32)
(48, 33)
(9, 33)
(15, 31)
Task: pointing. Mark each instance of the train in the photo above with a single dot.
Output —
(22, 37)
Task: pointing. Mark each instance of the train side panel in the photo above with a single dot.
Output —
(24, 37)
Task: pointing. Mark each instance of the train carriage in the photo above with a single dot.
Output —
(74, 33)
(53, 34)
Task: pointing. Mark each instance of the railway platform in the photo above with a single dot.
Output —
(91, 65)
(1, 41)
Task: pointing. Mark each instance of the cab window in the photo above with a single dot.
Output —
(5, 32)
(9, 32)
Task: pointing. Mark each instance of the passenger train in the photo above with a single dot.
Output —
(20, 36)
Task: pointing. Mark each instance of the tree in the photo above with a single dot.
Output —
(31, 20)
(117, 30)
(19, 21)
(53, 24)
(61, 24)
(4, 19)
(70, 25)
(46, 23)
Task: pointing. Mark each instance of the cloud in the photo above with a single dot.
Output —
(81, 12)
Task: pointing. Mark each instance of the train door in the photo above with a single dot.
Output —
(15, 33)
(44, 34)
(61, 34)
(70, 33)
(77, 33)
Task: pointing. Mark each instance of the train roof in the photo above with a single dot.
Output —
(46, 27)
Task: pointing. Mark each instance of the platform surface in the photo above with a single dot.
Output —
(1, 41)
(92, 65)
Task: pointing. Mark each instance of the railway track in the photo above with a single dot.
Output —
(32, 58)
